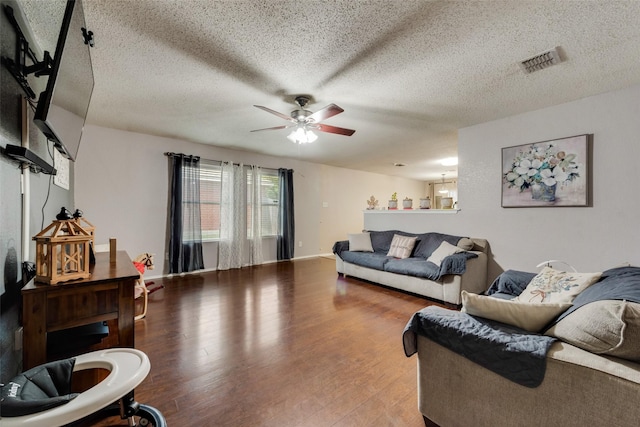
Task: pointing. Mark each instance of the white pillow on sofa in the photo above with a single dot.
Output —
(444, 250)
(401, 246)
(528, 316)
(360, 242)
(557, 286)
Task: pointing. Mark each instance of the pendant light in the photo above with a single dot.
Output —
(443, 190)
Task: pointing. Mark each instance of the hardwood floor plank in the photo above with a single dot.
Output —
(286, 344)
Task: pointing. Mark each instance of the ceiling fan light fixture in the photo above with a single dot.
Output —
(302, 135)
(304, 121)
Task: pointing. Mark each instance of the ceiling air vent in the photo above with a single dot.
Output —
(541, 61)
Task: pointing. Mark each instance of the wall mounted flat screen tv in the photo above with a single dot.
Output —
(62, 107)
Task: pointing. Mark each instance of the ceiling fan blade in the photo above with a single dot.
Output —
(269, 110)
(323, 114)
(334, 129)
(273, 128)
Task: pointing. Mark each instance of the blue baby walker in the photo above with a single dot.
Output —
(42, 395)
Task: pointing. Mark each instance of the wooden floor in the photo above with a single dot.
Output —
(286, 344)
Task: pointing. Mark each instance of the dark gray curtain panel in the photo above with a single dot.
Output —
(185, 240)
(286, 220)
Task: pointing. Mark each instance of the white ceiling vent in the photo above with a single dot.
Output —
(541, 61)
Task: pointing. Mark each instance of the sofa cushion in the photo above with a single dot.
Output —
(401, 246)
(360, 242)
(365, 259)
(557, 286)
(444, 250)
(415, 267)
(603, 327)
(528, 316)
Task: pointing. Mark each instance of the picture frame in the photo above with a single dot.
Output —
(553, 173)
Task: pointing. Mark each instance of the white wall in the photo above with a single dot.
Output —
(589, 238)
(122, 181)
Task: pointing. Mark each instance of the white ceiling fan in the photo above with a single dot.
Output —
(304, 122)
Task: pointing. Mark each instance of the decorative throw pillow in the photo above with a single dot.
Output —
(401, 246)
(603, 327)
(444, 250)
(360, 242)
(465, 243)
(528, 316)
(557, 286)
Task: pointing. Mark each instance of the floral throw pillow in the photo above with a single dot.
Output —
(557, 286)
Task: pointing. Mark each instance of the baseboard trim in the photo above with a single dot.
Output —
(209, 270)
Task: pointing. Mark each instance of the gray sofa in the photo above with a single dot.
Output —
(415, 274)
(592, 381)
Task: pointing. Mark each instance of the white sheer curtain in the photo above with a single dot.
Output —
(255, 198)
(233, 216)
(236, 232)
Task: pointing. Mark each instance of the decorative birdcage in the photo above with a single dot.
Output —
(62, 252)
(86, 226)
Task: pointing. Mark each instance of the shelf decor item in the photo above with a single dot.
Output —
(393, 203)
(372, 203)
(85, 224)
(62, 252)
(425, 203)
(548, 173)
(407, 203)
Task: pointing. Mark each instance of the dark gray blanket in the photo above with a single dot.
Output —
(513, 353)
(622, 283)
(511, 282)
(419, 267)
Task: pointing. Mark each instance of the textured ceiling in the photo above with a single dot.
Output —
(407, 73)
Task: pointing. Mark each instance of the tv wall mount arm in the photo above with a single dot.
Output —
(18, 67)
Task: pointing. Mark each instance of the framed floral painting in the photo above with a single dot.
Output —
(547, 173)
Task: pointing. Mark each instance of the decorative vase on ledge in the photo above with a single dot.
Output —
(393, 203)
(425, 203)
(543, 192)
(447, 202)
(407, 203)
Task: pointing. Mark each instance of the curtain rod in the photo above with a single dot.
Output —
(170, 154)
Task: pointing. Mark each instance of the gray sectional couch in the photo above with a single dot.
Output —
(591, 377)
(462, 271)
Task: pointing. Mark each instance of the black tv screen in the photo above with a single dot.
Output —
(62, 107)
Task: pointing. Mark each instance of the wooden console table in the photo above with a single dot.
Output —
(106, 296)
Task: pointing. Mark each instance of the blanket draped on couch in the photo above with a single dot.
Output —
(513, 353)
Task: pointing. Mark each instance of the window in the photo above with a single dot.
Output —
(269, 204)
(210, 188)
(210, 201)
